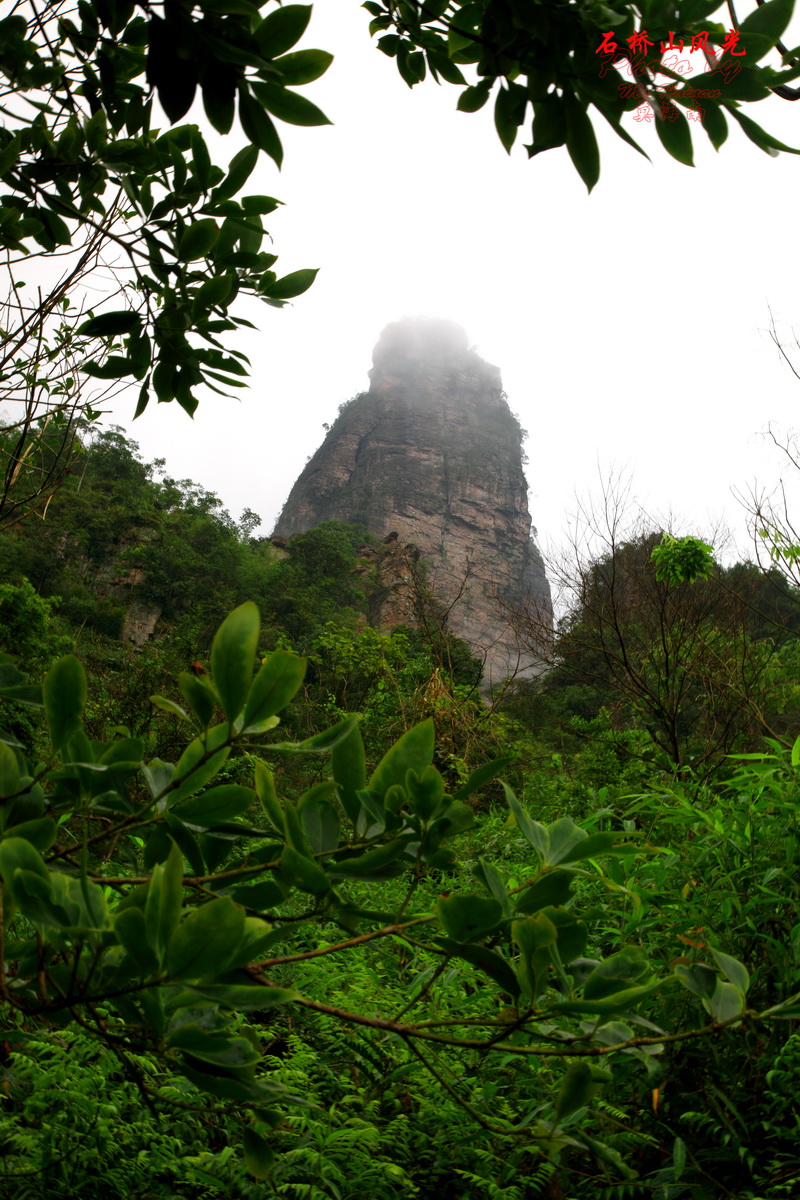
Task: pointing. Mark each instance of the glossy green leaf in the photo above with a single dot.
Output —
(483, 775)
(240, 169)
(372, 864)
(413, 751)
(216, 805)
(466, 918)
(233, 653)
(581, 141)
(676, 137)
(768, 21)
(531, 830)
(426, 792)
(577, 1089)
(110, 324)
(207, 940)
(552, 889)
(534, 936)
(304, 872)
(735, 971)
(200, 762)
(698, 978)
(40, 832)
(268, 797)
(618, 1002)
(258, 126)
(348, 766)
(9, 771)
(728, 1001)
(198, 696)
(492, 964)
(320, 743)
(258, 1156)
(320, 822)
(616, 973)
(131, 930)
(197, 240)
(276, 683)
(304, 66)
(292, 285)
(64, 693)
(248, 997)
(282, 29)
(162, 911)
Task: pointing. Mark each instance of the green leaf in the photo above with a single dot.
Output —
(372, 864)
(9, 771)
(534, 936)
(280, 30)
(426, 792)
(248, 997)
(194, 773)
(197, 240)
(216, 805)
(277, 682)
(131, 930)
(733, 969)
(304, 872)
(466, 918)
(616, 973)
(491, 878)
(110, 324)
(675, 136)
(288, 106)
(304, 66)
(162, 911)
(17, 854)
(240, 169)
(206, 941)
(169, 706)
(348, 766)
(413, 751)
(258, 1156)
(532, 831)
(492, 964)
(198, 696)
(482, 776)
(40, 832)
(320, 822)
(698, 978)
(618, 1002)
(258, 126)
(728, 1001)
(320, 743)
(765, 141)
(577, 1089)
(292, 285)
(232, 655)
(768, 21)
(267, 795)
(64, 693)
(473, 98)
(581, 141)
(552, 889)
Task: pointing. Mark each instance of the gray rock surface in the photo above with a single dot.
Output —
(433, 453)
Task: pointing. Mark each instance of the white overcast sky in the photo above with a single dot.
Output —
(630, 326)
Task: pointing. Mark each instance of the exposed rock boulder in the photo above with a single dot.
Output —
(431, 456)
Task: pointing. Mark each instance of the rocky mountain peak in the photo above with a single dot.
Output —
(433, 455)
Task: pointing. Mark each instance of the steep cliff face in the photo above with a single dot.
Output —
(433, 453)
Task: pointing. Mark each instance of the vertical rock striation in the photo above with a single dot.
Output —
(433, 454)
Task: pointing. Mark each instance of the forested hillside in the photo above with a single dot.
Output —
(254, 945)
